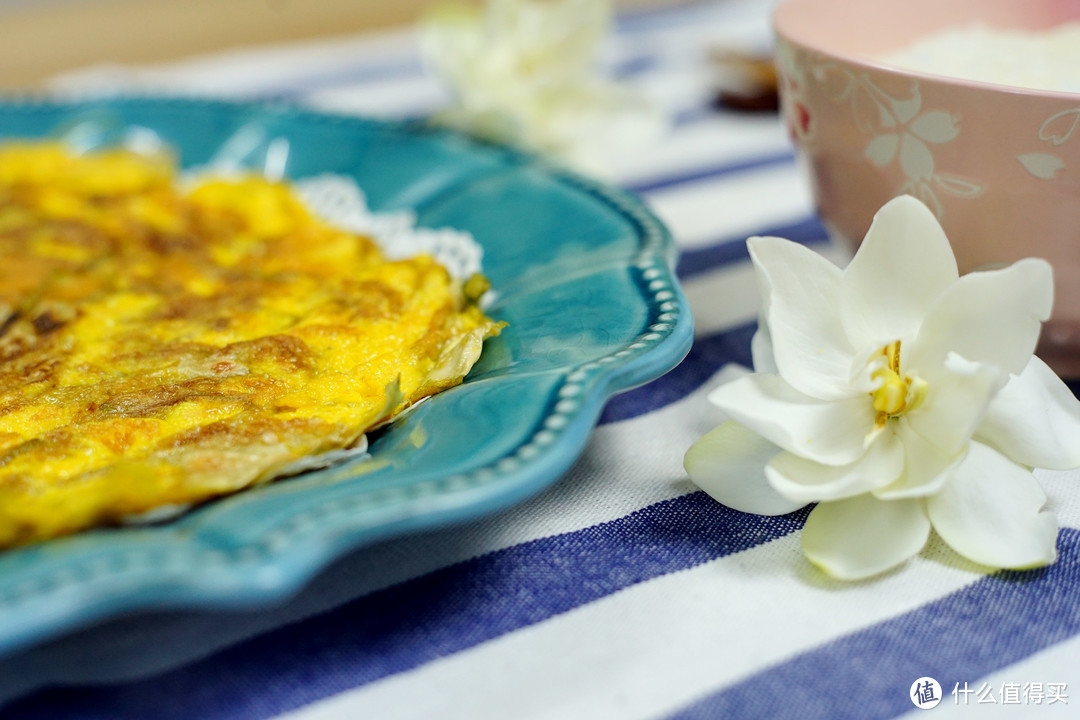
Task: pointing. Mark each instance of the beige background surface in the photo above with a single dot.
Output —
(40, 38)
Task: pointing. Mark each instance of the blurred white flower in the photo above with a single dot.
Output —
(521, 72)
(899, 397)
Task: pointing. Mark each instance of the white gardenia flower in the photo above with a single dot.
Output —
(521, 72)
(899, 397)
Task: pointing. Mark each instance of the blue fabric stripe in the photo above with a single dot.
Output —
(986, 626)
(635, 66)
(432, 616)
(692, 115)
(808, 231)
(707, 355)
(646, 19)
(760, 161)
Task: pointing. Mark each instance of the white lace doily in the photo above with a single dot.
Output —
(339, 201)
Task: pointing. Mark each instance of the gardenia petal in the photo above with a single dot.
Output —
(728, 463)
(809, 344)
(520, 73)
(554, 41)
(900, 269)
(807, 481)
(832, 433)
(926, 466)
(862, 536)
(538, 44)
(957, 397)
(989, 512)
(987, 317)
(761, 349)
(1034, 420)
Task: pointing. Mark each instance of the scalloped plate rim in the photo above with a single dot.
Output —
(246, 579)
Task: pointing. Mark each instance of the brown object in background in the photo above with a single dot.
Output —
(745, 81)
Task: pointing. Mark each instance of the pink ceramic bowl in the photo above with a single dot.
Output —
(1000, 166)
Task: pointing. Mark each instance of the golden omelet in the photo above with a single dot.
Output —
(160, 346)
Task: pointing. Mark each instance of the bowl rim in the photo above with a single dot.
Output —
(786, 30)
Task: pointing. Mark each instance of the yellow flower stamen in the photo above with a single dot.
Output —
(895, 393)
(891, 397)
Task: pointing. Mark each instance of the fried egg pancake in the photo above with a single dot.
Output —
(163, 346)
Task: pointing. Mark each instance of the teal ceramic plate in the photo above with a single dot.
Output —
(583, 274)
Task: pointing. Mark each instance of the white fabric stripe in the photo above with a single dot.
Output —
(733, 205)
(390, 99)
(674, 84)
(723, 299)
(716, 140)
(654, 647)
(1056, 664)
(247, 72)
(1063, 499)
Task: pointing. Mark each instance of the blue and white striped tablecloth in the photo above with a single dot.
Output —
(620, 592)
